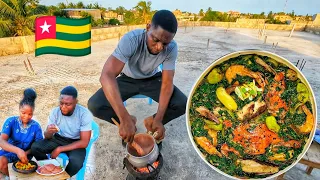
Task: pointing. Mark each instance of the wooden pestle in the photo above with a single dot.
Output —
(136, 146)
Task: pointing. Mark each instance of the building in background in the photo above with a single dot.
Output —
(184, 16)
(283, 18)
(109, 15)
(76, 13)
(235, 14)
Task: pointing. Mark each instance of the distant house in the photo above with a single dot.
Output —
(183, 16)
(76, 13)
(283, 18)
(110, 15)
(233, 13)
(120, 18)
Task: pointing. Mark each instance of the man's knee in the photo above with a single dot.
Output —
(35, 147)
(93, 105)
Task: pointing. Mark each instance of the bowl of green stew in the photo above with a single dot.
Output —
(251, 115)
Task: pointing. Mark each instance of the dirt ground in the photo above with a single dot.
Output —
(181, 160)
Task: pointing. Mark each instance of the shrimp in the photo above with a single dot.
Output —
(213, 134)
(225, 149)
(207, 146)
(235, 70)
(265, 65)
(207, 113)
(273, 97)
(308, 124)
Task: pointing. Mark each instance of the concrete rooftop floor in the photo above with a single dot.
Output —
(181, 160)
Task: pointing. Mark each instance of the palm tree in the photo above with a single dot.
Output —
(144, 10)
(71, 5)
(89, 6)
(80, 5)
(62, 5)
(15, 19)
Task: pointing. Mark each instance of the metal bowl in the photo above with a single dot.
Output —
(278, 59)
(146, 141)
(25, 171)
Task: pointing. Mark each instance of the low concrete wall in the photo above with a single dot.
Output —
(313, 29)
(25, 44)
(252, 25)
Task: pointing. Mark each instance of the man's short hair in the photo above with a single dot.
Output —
(166, 20)
(70, 91)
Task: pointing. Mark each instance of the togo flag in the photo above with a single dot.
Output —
(57, 35)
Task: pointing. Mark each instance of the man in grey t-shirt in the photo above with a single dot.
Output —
(68, 131)
(137, 57)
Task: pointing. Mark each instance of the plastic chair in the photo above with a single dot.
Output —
(143, 96)
(94, 136)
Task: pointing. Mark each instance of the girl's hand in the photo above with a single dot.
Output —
(22, 155)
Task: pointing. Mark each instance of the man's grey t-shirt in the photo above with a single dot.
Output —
(139, 63)
(70, 126)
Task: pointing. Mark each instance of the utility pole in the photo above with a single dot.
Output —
(285, 5)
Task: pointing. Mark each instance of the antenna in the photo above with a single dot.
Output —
(285, 5)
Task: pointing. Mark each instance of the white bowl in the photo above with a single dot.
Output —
(278, 59)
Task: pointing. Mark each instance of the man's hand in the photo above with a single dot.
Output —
(128, 129)
(55, 153)
(22, 155)
(156, 127)
(52, 128)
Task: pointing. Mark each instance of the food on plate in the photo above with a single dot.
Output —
(251, 116)
(21, 166)
(50, 169)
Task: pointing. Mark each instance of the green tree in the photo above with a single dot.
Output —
(209, 9)
(15, 18)
(292, 14)
(60, 13)
(51, 10)
(120, 10)
(114, 22)
(144, 10)
(129, 18)
(71, 5)
(89, 6)
(96, 6)
(80, 5)
(84, 14)
(201, 12)
(270, 15)
(62, 5)
(39, 9)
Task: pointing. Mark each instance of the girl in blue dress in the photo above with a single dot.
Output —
(19, 132)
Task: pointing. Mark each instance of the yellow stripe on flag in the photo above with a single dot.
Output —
(63, 44)
(73, 29)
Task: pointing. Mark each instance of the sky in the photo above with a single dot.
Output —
(300, 7)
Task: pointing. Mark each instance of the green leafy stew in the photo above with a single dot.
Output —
(251, 116)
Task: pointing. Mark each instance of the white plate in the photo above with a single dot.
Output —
(49, 161)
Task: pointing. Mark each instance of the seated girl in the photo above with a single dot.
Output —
(19, 132)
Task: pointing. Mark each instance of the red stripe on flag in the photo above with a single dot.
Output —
(45, 27)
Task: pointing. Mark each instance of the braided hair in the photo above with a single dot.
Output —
(29, 96)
